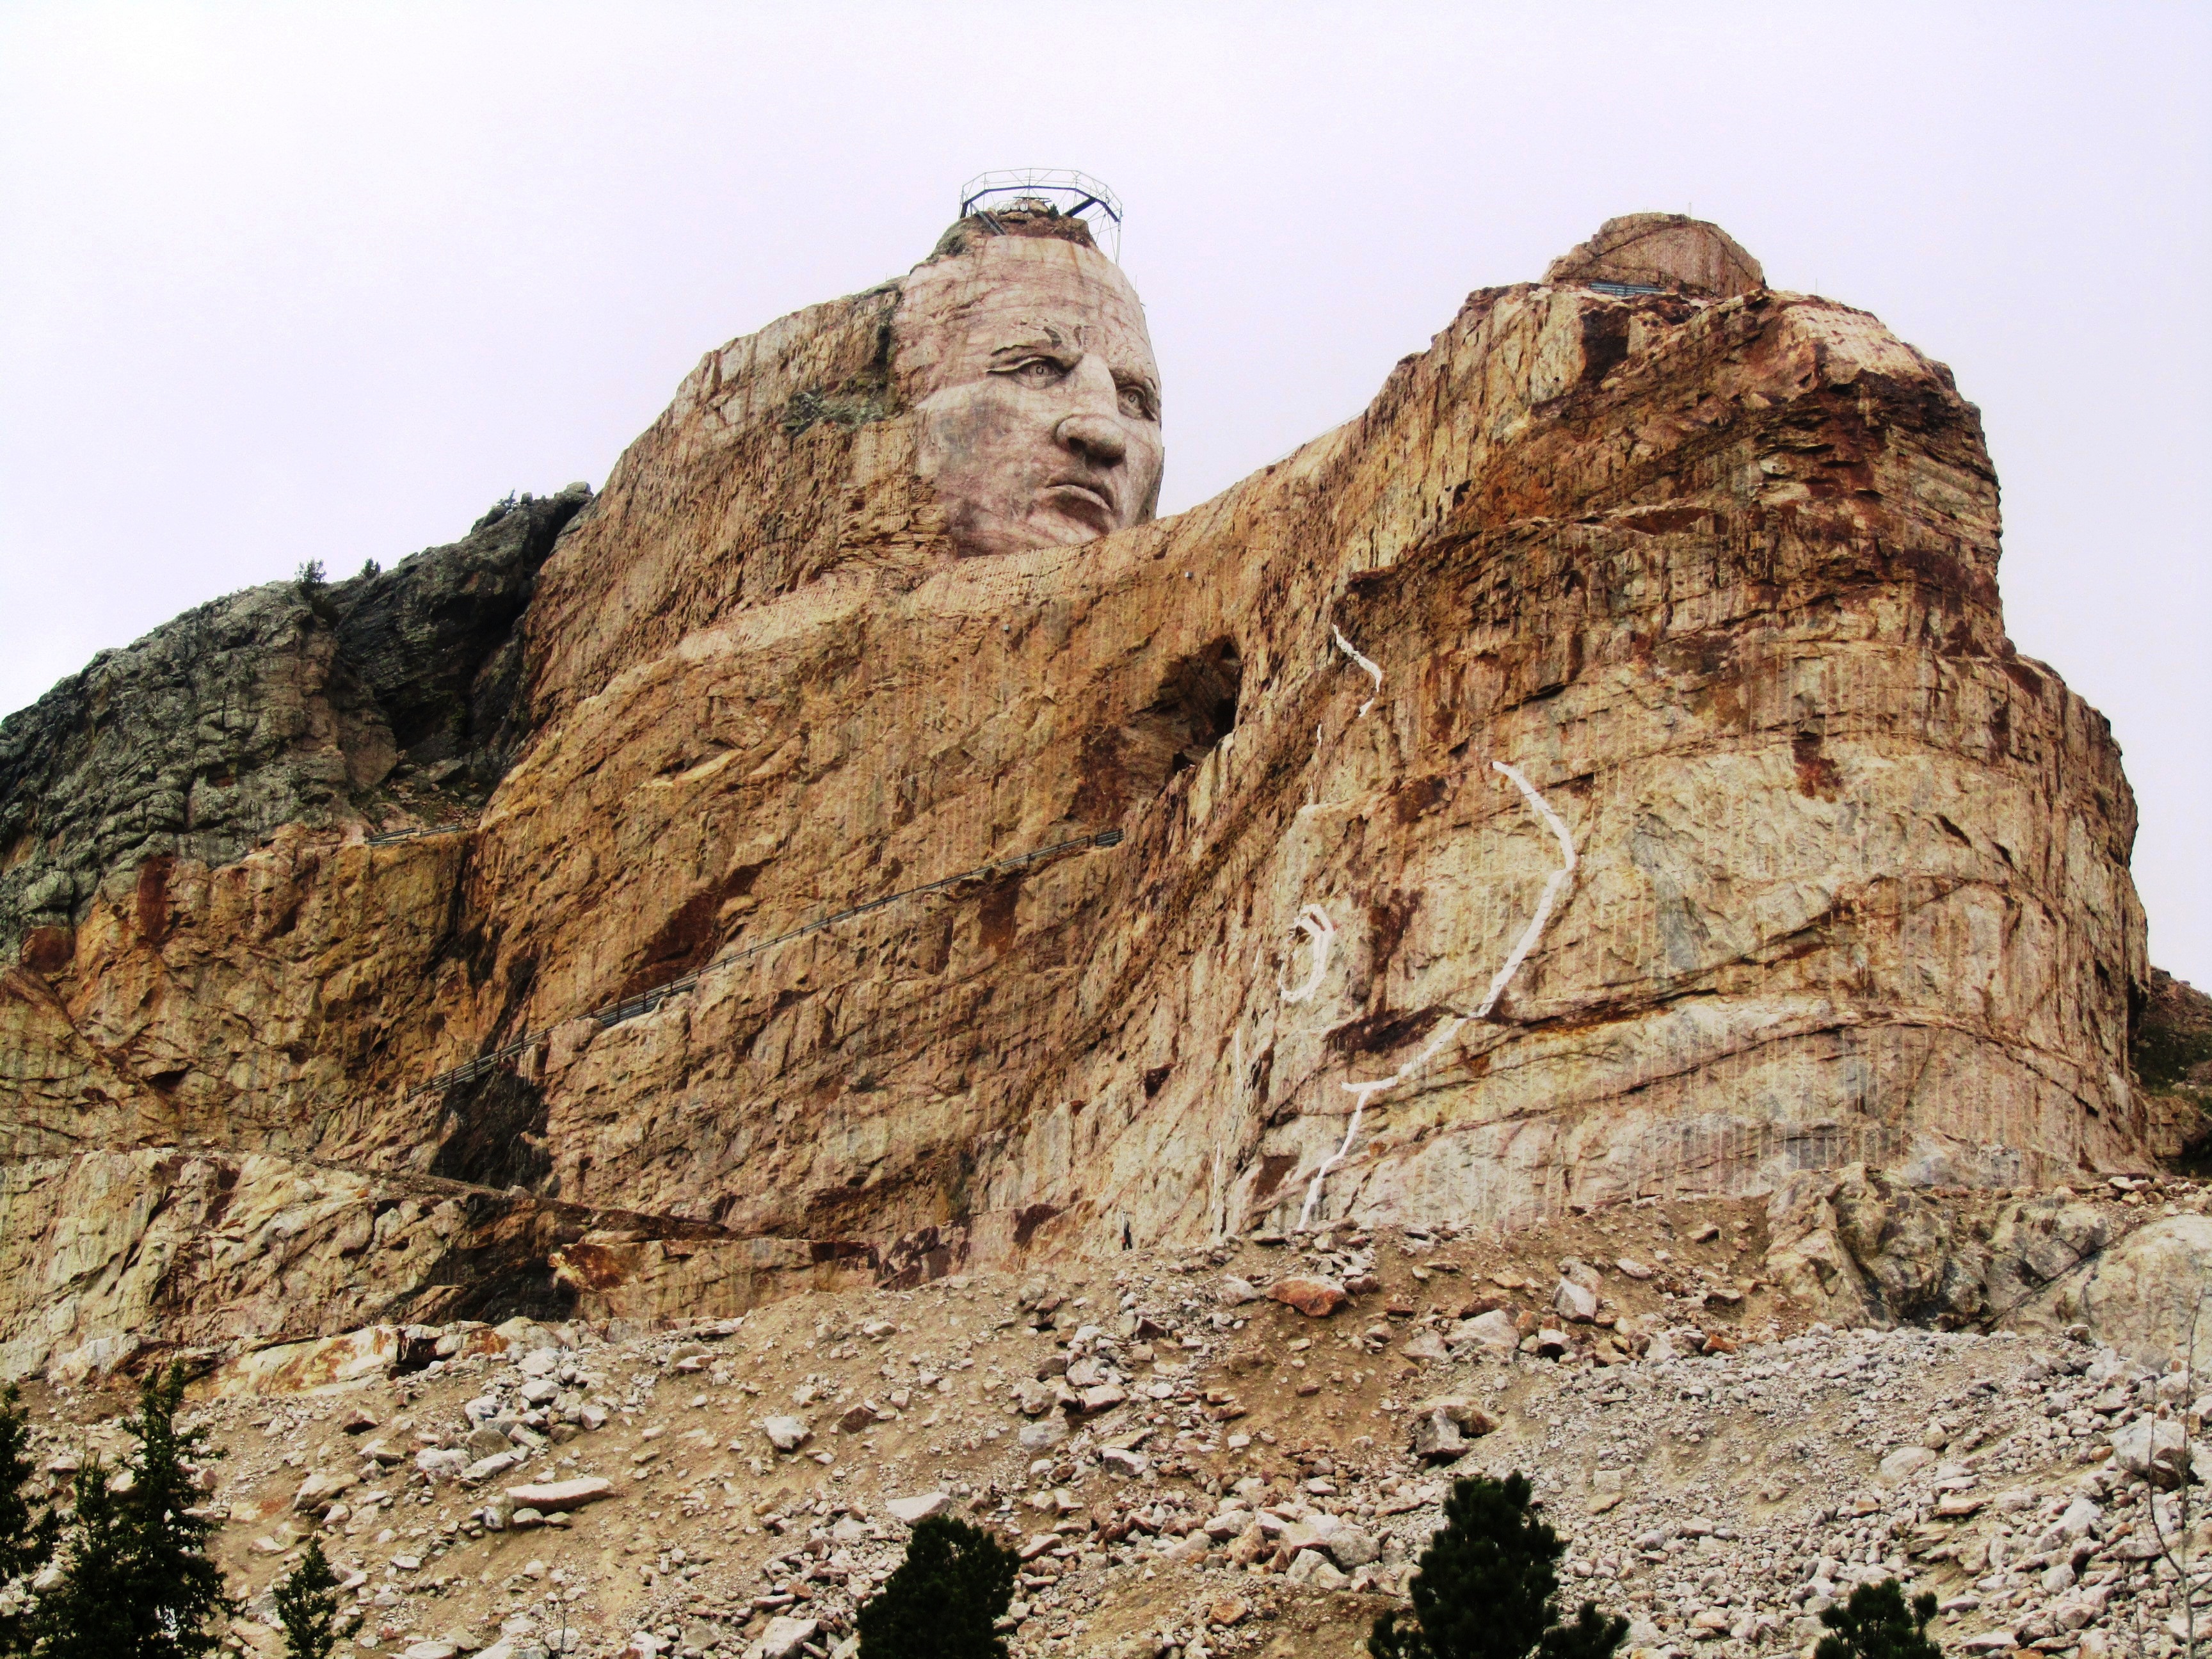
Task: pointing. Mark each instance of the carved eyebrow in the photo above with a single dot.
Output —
(1127, 378)
(1010, 356)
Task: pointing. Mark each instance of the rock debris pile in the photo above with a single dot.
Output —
(1240, 1450)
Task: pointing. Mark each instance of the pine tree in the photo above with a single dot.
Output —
(1875, 1624)
(87, 1615)
(27, 1539)
(941, 1603)
(136, 1583)
(306, 1606)
(1485, 1586)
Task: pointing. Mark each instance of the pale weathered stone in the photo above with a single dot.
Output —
(786, 1433)
(1905, 1462)
(1494, 1329)
(1666, 249)
(317, 1492)
(2157, 1448)
(555, 1496)
(1433, 1436)
(783, 1638)
(2140, 1294)
(1423, 1344)
(921, 1508)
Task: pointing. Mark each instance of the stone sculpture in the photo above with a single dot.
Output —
(1038, 397)
(1598, 771)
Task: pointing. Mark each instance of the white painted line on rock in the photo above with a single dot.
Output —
(1321, 933)
(1352, 651)
(1364, 1091)
(1553, 889)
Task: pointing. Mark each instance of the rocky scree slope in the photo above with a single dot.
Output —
(2173, 1056)
(1190, 1466)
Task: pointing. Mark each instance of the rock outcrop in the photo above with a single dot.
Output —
(1599, 771)
(1665, 251)
(2173, 1055)
(328, 705)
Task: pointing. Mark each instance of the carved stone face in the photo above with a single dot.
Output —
(1027, 362)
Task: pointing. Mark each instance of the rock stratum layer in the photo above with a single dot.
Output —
(1825, 873)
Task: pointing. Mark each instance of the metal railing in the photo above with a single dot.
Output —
(1077, 195)
(644, 1002)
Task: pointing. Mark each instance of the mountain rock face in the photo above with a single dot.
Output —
(1599, 771)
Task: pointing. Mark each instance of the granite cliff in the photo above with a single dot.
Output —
(1598, 772)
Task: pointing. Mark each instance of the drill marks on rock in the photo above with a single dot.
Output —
(1556, 885)
(1321, 933)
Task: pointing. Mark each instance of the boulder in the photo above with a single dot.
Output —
(2138, 1293)
(558, 1497)
(1315, 1298)
(1575, 1301)
(1043, 1434)
(2155, 1447)
(919, 1508)
(1312, 1568)
(1433, 1436)
(319, 1489)
(783, 1638)
(1465, 1414)
(785, 1434)
(1424, 1345)
(1494, 1329)
(1904, 1462)
(485, 1468)
(1352, 1546)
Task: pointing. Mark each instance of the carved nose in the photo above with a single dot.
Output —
(1094, 437)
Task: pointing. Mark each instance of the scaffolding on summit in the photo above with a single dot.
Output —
(1062, 191)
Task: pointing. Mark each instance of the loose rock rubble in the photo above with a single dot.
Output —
(1184, 1462)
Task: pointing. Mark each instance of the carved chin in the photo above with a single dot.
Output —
(1025, 526)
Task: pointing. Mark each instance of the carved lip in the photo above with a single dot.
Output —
(1084, 498)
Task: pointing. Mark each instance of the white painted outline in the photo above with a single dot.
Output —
(1313, 921)
(1545, 905)
(1553, 889)
(1352, 651)
(1445, 1033)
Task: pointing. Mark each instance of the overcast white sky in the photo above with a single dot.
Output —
(322, 281)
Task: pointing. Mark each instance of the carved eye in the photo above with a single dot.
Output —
(1040, 371)
(1137, 401)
